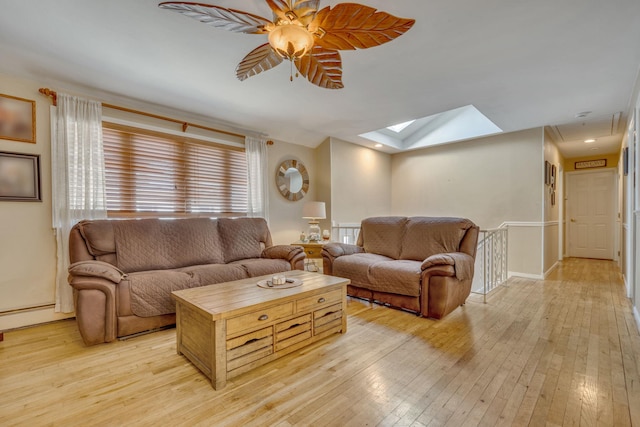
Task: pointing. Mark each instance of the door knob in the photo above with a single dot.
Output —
(573, 220)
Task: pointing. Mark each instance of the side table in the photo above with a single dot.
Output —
(314, 252)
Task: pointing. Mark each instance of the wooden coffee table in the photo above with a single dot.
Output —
(229, 328)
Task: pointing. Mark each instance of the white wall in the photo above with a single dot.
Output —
(27, 243)
(493, 180)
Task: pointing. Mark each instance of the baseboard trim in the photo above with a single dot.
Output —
(31, 317)
(546, 273)
(525, 275)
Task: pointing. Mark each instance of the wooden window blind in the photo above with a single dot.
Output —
(154, 174)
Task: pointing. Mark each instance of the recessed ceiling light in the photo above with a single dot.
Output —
(378, 145)
(589, 141)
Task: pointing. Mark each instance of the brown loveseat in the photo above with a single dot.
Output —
(123, 271)
(420, 264)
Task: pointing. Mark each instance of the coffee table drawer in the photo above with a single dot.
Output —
(317, 301)
(258, 318)
(328, 318)
(249, 348)
(293, 331)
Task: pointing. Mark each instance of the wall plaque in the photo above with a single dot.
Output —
(587, 164)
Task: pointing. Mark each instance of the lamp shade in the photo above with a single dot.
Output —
(314, 210)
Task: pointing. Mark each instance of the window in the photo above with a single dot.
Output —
(154, 174)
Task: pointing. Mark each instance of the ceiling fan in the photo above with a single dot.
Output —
(308, 37)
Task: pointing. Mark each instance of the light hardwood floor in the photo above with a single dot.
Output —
(564, 351)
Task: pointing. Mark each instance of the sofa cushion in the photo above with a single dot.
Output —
(152, 244)
(396, 277)
(99, 236)
(261, 266)
(426, 236)
(243, 237)
(214, 273)
(382, 235)
(356, 267)
(151, 291)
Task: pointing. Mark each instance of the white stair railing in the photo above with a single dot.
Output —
(491, 261)
(345, 233)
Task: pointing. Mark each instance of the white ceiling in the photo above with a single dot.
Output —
(521, 63)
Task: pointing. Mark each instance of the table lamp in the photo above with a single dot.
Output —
(313, 211)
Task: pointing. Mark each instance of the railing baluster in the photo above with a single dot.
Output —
(491, 256)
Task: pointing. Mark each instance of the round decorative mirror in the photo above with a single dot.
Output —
(292, 180)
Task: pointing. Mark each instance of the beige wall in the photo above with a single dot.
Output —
(360, 182)
(488, 180)
(27, 243)
(493, 180)
(553, 223)
(285, 216)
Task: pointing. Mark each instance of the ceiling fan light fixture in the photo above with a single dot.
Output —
(291, 41)
(301, 32)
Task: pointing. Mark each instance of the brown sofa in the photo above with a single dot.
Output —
(420, 264)
(123, 271)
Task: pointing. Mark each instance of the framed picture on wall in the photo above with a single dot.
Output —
(553, 177)
(547, 173)
(19, 177)
(17, 119)
(625, 161)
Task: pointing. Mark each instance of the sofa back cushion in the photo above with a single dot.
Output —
(243, 238)
(382, 235)
(153, 244)
(426, 236)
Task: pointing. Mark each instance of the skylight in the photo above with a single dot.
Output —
(455, 125)
(400, 126)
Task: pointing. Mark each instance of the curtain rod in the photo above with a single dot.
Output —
(54, 96)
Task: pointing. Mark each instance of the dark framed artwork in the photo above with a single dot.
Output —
(588, 164)
(19, 177)
(553, 177)
(17, 119)
(625, 161)
(547, 173)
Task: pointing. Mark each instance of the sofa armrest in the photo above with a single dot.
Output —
(294, 254)
(99, 269)
(462, 264)
(287, 252)
(95, 306)
(331, 251)
(339, 249)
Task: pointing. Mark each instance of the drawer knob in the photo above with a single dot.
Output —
(263, 317)
(310, 252)
(321, 300)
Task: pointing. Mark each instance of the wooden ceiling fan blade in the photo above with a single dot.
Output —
(306, 10)
(303, 10)
(279, 8)
(220, 17)
(351, 26)
(322, 67)
(260, 59)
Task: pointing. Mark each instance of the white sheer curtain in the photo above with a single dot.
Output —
(77, 161)
(257, 180)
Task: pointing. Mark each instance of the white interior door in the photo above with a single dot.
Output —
(590, 214)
